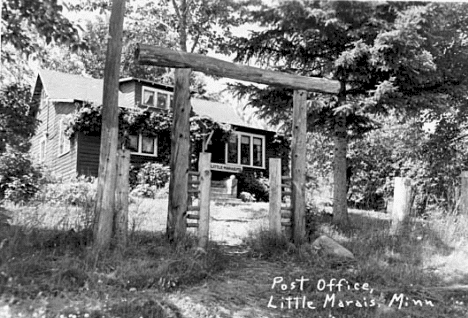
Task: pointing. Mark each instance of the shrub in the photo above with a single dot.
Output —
(19, 180)
(78, 192)
(259, 187)
(148, 179)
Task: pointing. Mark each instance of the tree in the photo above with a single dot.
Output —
(380, 52)
(27, 26)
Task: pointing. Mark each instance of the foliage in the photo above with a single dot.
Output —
(432, 155)
(24, 20)
(80, 192)
(19, 179)
(146, 180)
(257, 186)
(17, 117)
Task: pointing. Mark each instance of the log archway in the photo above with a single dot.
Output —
(163, 57)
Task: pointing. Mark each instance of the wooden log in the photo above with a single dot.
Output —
(105, 196)
(463, 193)
(298, 165)
(275, 196)
(286, 179)
(194, 182)
(193, 191)
(401, 205)
(121, 200)
(193, 216)
(286, 224)
(155, 55)
(193, 208)
(194, 173)
(192, 224)
(180, 154)
(204, 167)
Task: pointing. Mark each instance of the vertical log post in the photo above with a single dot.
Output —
(204, 167)
(105, 196)
(464, 193)
(180, 154)
(275, 196)
(298, 166)
(121, 199)
(401, 205)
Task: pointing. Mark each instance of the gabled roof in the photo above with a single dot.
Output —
(69, 87)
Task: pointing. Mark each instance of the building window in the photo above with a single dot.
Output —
(63, 141)
(143, 145)
(156, 98)
(246, 149)
(148, 97)
(232, 155)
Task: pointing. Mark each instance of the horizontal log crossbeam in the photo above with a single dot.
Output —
(159, 56)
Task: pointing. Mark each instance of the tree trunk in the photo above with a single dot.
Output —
(105, 197)
(340, 202)
(180, 155)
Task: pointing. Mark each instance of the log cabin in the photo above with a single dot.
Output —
(60, 94)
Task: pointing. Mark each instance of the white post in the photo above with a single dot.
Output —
(204, 167)
(275, 196)
(401, 205)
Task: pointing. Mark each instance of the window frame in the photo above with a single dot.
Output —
(140, 147)
(155, 99)
(251, 136)
(64, 148)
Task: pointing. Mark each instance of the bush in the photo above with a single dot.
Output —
(259, 187)
(146, 180)
(78, 192)
(19, 180)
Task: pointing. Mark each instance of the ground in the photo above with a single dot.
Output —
(245, 273)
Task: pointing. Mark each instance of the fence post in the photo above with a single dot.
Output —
(204, 168)
(275, 196)
(463, 193)
(121, 197)
(401, 205)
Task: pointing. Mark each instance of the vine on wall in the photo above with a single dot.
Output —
(88, 120)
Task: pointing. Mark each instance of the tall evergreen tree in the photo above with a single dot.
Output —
(386, 56)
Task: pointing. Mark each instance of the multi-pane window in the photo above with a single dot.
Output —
(63, 141)
(246, 149)
(232, 149)
(148, 97)
(155, 98)
(257, 151)
(143, 145)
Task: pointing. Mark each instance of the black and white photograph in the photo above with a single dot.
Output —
(233, 159)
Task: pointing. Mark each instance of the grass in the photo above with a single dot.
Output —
(46, 270)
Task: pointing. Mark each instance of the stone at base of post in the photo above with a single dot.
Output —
(401, 205)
